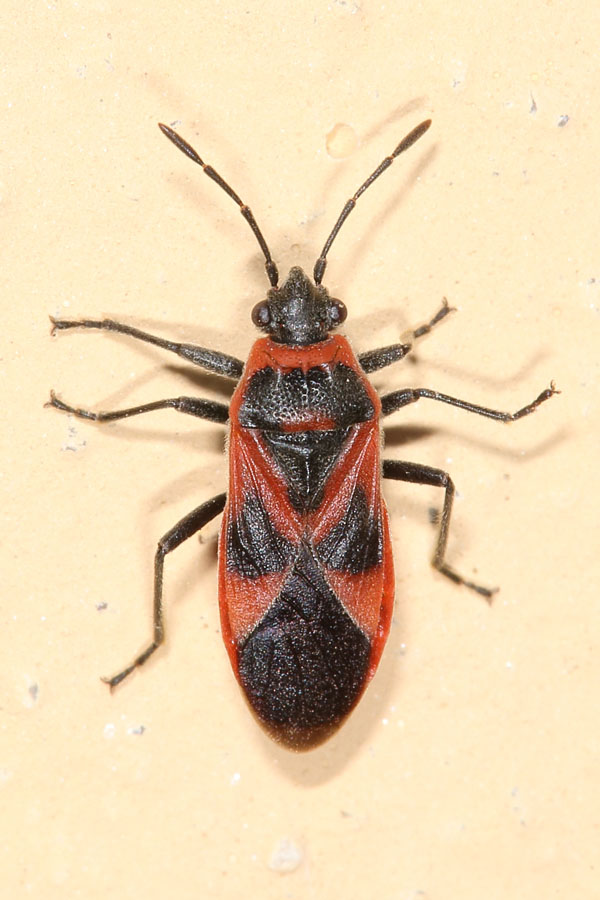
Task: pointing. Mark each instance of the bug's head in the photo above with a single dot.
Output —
(299, 312)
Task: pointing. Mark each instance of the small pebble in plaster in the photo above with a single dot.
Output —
(136, 729)
(341, 141)
(31, 695)
(459, 73)
(286, 856)
(562, 121)
(347, 6)
(73, 442)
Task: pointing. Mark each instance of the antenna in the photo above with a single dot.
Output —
(179, 142)
(404, 144)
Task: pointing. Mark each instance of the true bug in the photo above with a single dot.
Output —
(306, 578)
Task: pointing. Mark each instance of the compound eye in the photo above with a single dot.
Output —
(337, 312)
(261, 314)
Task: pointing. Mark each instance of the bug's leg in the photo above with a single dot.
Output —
(193, 406)
(419, 474)
(385, 356)
(397, 399)
(186, 528)
(211, 360)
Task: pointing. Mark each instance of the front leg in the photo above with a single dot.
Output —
(385, 356)
(418, 474)
(211, 360)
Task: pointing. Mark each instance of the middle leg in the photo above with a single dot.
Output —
(193, 406)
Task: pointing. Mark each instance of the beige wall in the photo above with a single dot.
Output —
(470, 769)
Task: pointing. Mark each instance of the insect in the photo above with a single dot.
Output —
(306, 578)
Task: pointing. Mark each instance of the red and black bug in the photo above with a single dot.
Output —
(306, 579)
